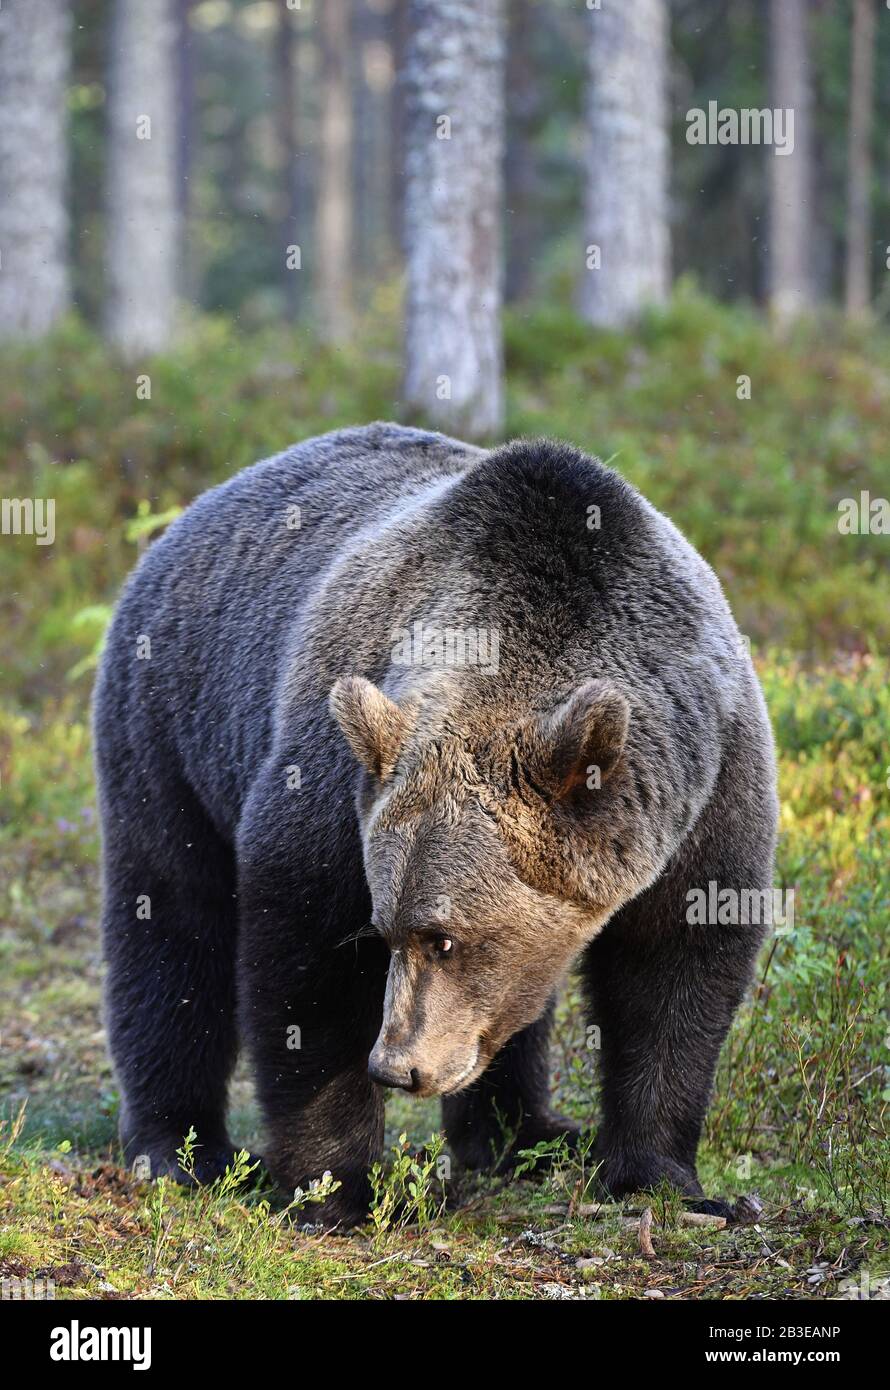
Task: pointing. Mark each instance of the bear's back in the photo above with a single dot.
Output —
(298, 567)
(201, 632)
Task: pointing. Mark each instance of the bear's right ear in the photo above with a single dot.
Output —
(374, 726)
(588, 730)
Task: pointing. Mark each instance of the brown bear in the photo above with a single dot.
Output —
(391, 732)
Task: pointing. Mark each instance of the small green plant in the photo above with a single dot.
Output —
(667, 1204)
(411, 1190)
(159, 1223)
(141, 527)
(318, 1190)
(11, 1130)
(186, 1153)
(571, 1172)
(95, 619)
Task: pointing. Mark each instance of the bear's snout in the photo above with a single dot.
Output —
(388, 1067)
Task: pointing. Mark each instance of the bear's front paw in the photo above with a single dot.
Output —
(712, 1206)
(335, 1213)
(621, 1174)
(152, 1159)
(348, 1189)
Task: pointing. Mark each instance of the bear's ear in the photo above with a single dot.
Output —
(587, 731)
(373, 725)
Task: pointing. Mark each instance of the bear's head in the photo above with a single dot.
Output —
(491, 861)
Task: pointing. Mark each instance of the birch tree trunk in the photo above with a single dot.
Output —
(34, 64)
(454, 98)
(857, 294)
(791, 276)
(141, 250)
(627, 226)
(333, 234)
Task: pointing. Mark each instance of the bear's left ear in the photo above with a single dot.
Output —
(587, 731)
(374, 726)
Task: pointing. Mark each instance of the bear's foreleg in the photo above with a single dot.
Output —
(310, 1000)
(664, 988)
(309, 1020)
(169, 926)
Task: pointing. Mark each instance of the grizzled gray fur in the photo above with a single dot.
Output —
(391, 732)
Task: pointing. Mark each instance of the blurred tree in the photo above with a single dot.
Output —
(520, 168)
(334, 215)
(285, 51)
(141, 180)
(718, 192)
(546, 128)
(34, 64)
(239, 192)
(373, 163)
(185, 131)
(792, 177)
(857, 290)
(397, 117)
(454, 77)
(626, 213)
(86, 152)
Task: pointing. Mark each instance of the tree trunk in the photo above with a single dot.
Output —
(373, 163)
(34, 64)
(333, 237)
(398, 28)
(186, 133)
(791, 175)
(627, 245)
(142, 177)
(520, 169)
(285, 55)
(862, 72)
(453, 204)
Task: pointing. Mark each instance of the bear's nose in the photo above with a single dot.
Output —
(393, 1071)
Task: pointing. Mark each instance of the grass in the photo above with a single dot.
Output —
(800, 1108)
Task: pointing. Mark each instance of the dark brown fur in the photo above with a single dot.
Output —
(556, 809)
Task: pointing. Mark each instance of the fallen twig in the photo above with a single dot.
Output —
(647, 1249)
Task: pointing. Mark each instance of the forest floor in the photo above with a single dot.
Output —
(799, 1116)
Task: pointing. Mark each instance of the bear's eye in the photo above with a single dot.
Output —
(443, 945)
